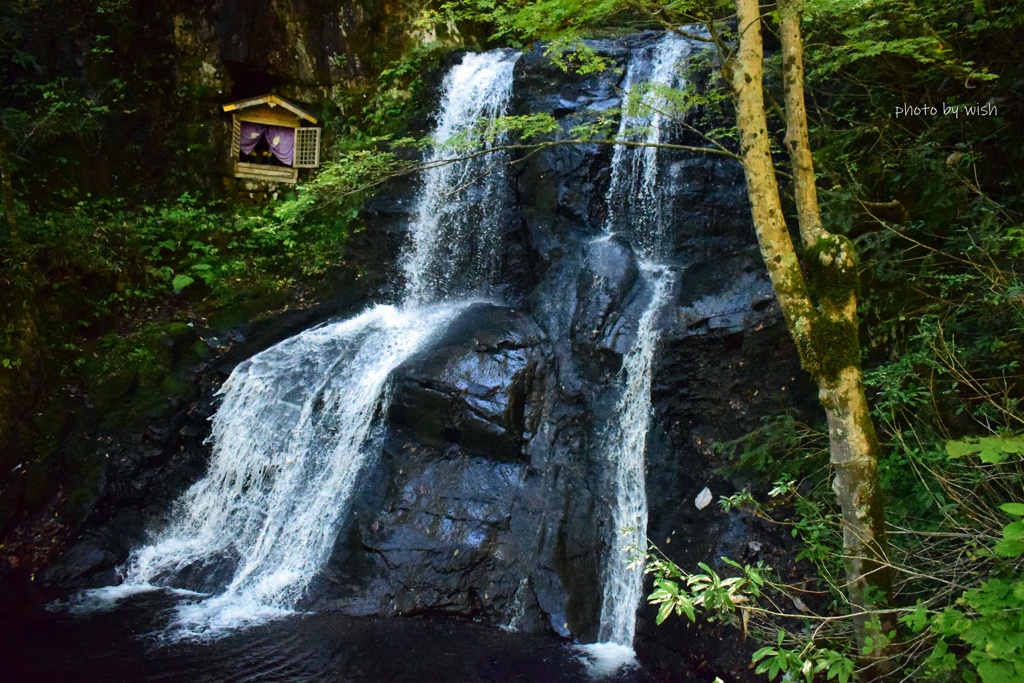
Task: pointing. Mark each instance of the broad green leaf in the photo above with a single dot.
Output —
(958, 449)
(685, 606)
(990, 449)
(181, 281)
(1013, 531)
(670, 587)
(663, 612)
(916, 620)
(1009, 548)
(1013, 508)
(996, 672)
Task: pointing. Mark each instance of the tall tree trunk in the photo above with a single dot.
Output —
(797, 139)
(821, 311)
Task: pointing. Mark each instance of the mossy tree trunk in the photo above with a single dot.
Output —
(820, 311)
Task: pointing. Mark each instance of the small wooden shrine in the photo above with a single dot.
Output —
(271, 139)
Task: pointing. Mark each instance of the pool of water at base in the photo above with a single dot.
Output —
(39, 646)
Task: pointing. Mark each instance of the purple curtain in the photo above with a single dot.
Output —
(250, 136)
(282, 143)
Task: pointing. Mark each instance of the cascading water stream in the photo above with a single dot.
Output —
(636, 203)
(294, 429)
(456, 244)
(625, 443)
(299, 421)
(635, 198)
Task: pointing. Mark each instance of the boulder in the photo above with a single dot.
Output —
(480, 504)
(475, 387)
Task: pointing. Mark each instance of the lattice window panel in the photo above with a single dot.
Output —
(307, 147)
(236, 134)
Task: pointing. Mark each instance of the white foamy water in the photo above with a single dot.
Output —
(294, 429)
(299, 422)
(626, 441)
(636, 211)
(635, 204)
(456, 233)
(107, 598)
(604, 659)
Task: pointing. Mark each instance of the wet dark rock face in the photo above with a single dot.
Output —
(489, 501)
(485, 399)
(480, 505)
(609, 272)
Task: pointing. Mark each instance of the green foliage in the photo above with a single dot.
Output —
(563, 25)
(671, 598)
(8, 355)
(1012, 544)
(732, 600)
(989, 449)
(339, 188)
(936, 220)
(399, 90)
(781, 448)
(103, 264)
(181, 281)
(806, 663)
(990, 620)
(51, 109)
(601, 128)
(525, 126)
(559, 22)
(899, 385)
(893, 32)
(790, 456)
(717, 598)
(77, 103)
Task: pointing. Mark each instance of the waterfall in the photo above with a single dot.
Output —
(626, 440)
(456, 244)
(517, 609)
(634, 200)
(636, 211)
(298, 422)
(294, 429)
